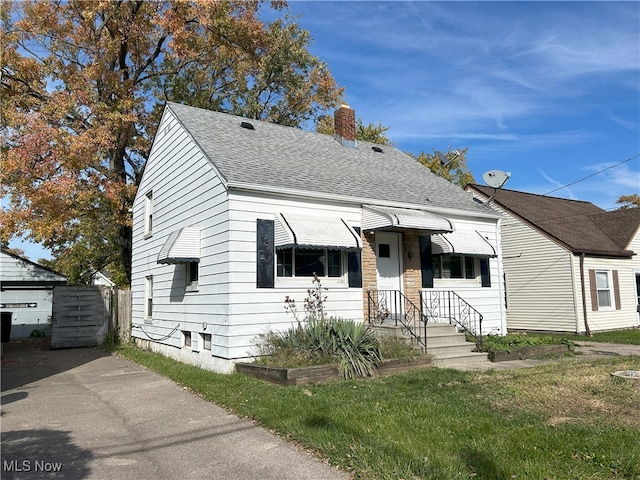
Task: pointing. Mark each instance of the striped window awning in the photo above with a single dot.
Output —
(462, 242)
(310, 231)
(376, 217)
(182, 246)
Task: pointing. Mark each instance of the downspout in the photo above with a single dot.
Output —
(584, 296)
(502, 292)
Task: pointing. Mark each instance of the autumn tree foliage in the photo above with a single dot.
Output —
(366, 133)
(83, 84)
(629, 201)
(455, 170)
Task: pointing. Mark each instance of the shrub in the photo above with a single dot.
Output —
(318, 339)
(516, 340)
(351, 345)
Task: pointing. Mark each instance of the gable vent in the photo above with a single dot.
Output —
(377, 149)
(247, 125)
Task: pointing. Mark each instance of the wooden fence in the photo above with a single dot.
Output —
(80, 316)
(121, 317)
(84, 315)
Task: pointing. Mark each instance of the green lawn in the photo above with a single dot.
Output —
(515, 340)
(569, 420)
(629, 337)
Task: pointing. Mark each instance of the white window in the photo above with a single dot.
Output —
(454, 266)
(148, 214)
(305, 262)
(191, 276)
(186, 338)
(603, 287)
(148, 297)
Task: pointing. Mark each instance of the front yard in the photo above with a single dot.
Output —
(568, 420)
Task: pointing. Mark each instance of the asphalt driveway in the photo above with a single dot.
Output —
(82, 413)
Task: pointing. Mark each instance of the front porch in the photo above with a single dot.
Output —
(391, 308)
(400, 298)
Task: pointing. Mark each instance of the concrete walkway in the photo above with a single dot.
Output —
(585, 349)
(83, 414)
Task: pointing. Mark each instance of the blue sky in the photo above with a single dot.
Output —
(549, 91)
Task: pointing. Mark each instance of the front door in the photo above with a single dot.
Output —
(388, 261)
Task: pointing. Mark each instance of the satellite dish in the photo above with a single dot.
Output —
(441, 156)
(496, 178)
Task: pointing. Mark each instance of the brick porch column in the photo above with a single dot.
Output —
(412, 268)
(369, 272)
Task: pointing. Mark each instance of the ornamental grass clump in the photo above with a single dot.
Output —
(351, 345)
(317, 340)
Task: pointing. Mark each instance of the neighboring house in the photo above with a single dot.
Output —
(102, 279)
(568, 264)
(26, 290)
(233, 215)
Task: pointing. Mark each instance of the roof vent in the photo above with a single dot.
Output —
(377, 149)
(247, 125)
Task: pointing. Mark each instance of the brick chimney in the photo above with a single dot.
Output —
(344, 120)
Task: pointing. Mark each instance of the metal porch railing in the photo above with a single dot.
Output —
(392, 307)
(446, 306)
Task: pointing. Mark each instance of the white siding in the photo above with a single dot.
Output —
(31, 308)
(540, 286)
(634, 246)
(18, 270)
(186, 192)
(613, 318)
(489, 301)
(258, 310)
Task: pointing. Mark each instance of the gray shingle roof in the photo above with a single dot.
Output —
(275, 156)
(581, 226)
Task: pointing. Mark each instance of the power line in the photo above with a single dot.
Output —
(593, 174)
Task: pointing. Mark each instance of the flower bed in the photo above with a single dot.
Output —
(323, 373)
(532, 352)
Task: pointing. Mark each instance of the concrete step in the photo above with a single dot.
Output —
(444, 350)
(441, 327)
(448, 347)
(435, 338)
(437, 335)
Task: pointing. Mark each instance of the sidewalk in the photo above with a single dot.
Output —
(585, 349)
(82, 413)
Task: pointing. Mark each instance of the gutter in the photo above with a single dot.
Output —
(603, 253)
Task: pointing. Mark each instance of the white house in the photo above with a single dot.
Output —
(26, 290)
(233, 215)
(569, 265)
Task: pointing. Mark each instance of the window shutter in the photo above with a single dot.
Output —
(354, 263)
(265, 253)
(616, 289)
(593, 289)
(485, 272)
(426, 262)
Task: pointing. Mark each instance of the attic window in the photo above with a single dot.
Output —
(377, 149)
(247, 125)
